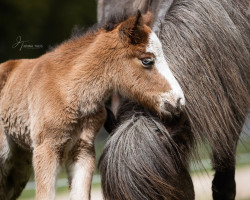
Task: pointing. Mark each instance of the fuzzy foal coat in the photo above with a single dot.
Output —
(53, 106)
(36, 116)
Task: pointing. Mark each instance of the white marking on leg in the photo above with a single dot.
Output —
(154, 46)
(82, 172)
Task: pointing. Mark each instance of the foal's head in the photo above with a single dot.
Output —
(140, 70)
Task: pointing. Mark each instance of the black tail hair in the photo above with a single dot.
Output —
(144, 159)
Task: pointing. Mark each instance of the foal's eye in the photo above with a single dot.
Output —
(148, 62)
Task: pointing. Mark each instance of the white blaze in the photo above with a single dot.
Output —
(154, 46)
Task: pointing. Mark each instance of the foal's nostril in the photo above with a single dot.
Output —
(177, 109)
(172, 109)
(178, 105)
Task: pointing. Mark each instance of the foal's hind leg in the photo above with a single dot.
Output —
(15, 168)
(223, 185)
(5, 164)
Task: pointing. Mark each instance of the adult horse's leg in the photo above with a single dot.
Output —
(223, 185)
(15, 170)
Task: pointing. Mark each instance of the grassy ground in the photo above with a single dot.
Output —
(202, 184)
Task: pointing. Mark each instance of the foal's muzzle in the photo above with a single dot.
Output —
(176, 108)
(172, 103)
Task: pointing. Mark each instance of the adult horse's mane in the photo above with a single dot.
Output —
(147, 157)
(206, 44)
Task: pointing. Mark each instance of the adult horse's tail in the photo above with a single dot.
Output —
(144, 159)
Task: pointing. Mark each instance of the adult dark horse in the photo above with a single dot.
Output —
(206, 43)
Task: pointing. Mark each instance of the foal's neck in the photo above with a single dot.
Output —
(88, 79)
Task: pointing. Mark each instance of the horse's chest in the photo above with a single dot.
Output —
(16, 126)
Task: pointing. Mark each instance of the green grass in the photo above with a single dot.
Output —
(243, 146)
(30, 194)
(27, 194)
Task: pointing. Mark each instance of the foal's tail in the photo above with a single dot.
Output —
(144, 160)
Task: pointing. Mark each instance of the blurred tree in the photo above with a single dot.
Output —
(42, 22)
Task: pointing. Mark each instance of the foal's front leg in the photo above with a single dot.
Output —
(81, 168)
(46, 164)
(81, 162)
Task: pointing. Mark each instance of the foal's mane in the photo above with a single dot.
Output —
(110, 24)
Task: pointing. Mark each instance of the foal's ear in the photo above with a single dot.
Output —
(148, 18)
(132, 30)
